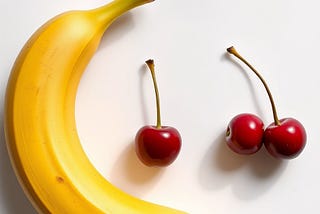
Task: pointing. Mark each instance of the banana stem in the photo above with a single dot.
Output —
(233, 51)
(116, 8)
(150, 64)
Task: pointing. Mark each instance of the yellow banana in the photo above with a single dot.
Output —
(40, 125)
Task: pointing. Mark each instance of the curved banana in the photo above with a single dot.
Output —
(40, 124)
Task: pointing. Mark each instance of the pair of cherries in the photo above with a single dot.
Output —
(160, 145)
(284, 138)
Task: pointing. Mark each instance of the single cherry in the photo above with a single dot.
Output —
(244, 134)
(157, 145)
(285, 138)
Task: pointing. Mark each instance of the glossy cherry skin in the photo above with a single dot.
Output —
(157, 146)
(244, 134)
(286, 140)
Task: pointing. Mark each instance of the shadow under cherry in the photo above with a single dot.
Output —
(249, 176)
(131, 175)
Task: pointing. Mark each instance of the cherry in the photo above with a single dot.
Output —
(244, 134)
(157, 145)
(284, 138)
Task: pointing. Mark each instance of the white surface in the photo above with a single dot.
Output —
(201, 89)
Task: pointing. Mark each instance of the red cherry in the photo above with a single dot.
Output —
(286, 140)
(157, 145)
(244, 134)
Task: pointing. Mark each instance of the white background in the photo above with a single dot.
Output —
(201, 89)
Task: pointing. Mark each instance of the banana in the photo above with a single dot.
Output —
(40, 127)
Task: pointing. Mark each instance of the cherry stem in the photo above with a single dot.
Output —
(150, 64)
(233, 51)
